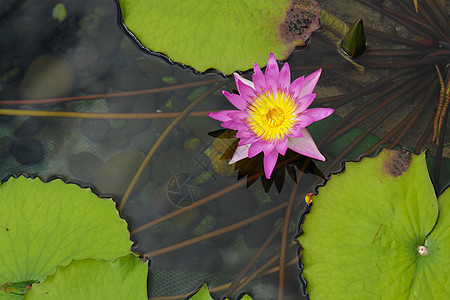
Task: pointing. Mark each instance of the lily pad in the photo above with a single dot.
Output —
(226, 35)
(203, 294)
(361, 238)
(10, 296)
(46, 225)
(124, 278)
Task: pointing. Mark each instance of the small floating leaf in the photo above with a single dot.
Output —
(202, 294)
(334, 25)
(364, 233)
(226, 35)
(59, 12)
(354, 42)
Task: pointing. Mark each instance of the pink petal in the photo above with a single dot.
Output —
(268, 147)
(309, 83)
(318, 113)
(246, 92)
(296, 87)
(240, 153)
(238, 115)
(270, 160)
(221, 115)
(245, 141)
(235, 125)
(284, 78)
(282, 146)
(238, 77)
(304, 121)
(304, 102)
(244, 134)
(305, 146)
(236, 100)
(255, 148)
(296, 131)
(272, 73)
(258, 79)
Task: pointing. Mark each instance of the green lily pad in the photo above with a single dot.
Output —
(46, 225)
(434, 275)
(10, 296)
(203, 294)
(124, 278)
(226, 35)
(361, 238)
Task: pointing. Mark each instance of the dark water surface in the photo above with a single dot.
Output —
(88, 53)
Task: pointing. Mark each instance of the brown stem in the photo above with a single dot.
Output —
(392, 38)
(413, 17)
(226, 285)
(112, 95)
(260, 270)
(325, 67)
(363, 135)
(287, 219)
(159, 142)
(439, 150)
(393, 132)
(414, 114)
(331, 99)
(237, 280)
(406, 8)
(211, 234)
(439, 16)
(399, 18)
(426, 134)
(393, 52)
(343, 121)
(405, 63)
(432, 21)
(189, 207)
(82, 115)
(209, 198)
(375, 86)
(365, 116)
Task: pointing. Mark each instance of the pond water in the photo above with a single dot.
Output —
(187, 210)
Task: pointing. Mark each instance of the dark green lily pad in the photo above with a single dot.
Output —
(124, 278)
(226, 35)
(361, 238)
(46, 225)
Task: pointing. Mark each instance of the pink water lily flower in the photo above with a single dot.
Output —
(273, 114)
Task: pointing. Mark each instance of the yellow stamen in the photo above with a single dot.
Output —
(271, 116)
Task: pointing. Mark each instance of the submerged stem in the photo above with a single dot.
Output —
(211, 234)
(111, 95)
(159, 142)
(83, 115)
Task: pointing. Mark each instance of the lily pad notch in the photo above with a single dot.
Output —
(224, 35)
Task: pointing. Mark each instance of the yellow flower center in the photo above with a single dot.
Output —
(271, 117)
